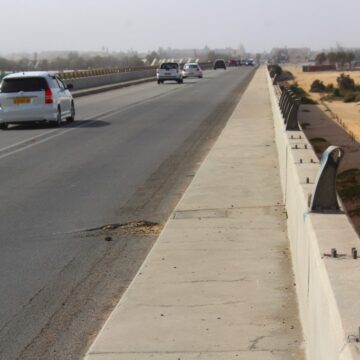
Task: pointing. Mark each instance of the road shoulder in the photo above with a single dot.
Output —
(218, 283)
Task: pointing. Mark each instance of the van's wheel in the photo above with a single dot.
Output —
(71, 118)
(57, 122)
(3, 126)
(159, 82)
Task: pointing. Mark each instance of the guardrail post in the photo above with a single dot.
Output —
(285, 101)
(292, 119)
(282, 98)
(324, 197)
(274, 80)
(290, 97)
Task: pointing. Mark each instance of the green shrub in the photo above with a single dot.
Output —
(329, 88)
(317, 86)
(297, 90)
(337, 92)
(286, 76)
(276, 69)
(302, 94)
(308, 101)
(350, 97)
(345, 82)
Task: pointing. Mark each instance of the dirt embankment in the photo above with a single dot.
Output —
(347, 114)
(334, 123)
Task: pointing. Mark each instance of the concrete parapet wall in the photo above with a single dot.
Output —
(101, 80)
(328, 288)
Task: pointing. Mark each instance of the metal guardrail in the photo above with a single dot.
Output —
(78, 74)
(66, 75)
(289, 106)
(324, 196)
(101, 72)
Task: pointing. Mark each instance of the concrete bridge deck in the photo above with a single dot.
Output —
(218, 283)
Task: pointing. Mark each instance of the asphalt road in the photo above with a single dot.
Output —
(128, 157)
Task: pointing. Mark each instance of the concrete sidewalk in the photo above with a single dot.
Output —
(218, 283)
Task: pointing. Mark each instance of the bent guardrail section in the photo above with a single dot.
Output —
(322, 240)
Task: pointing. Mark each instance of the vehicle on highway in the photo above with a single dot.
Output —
(249, 62)
(192, 70)
(233, 62)
(169, 71)
(35, 97)
(219, 64)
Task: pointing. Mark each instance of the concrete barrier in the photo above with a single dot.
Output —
(102, 80)
(328, 288)
(102, 77)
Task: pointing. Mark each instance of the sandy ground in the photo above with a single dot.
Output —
(319, 123)
(348, 114)
(334, 123)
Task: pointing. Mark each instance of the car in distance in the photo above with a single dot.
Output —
(35, 97)
(192, 70)
(219, 64)
(249, 62)
(169, 71)
(233, 62)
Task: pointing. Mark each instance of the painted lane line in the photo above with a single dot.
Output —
(104, 115)
(86, 122)
(34, 140)
(27, 140)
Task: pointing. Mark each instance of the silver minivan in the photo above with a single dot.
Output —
(35, 97)
(169, 71)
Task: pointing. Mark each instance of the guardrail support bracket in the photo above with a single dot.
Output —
(324, 197)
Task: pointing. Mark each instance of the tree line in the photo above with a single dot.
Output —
(72, 61)
(338, 58)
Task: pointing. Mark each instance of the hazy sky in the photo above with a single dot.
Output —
(35, 25)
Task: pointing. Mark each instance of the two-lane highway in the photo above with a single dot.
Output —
(128, 157)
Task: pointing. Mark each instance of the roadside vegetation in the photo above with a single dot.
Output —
(341, 59)
(345, 90)
(302, 94)
(282, 75)
(73, 61)
(285, 76)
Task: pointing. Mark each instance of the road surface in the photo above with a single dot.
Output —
(127, 158)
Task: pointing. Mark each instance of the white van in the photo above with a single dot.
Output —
(35, 97)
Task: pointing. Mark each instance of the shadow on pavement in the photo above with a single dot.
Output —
(64, 125)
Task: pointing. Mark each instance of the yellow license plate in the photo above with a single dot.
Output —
(25, 100)
(168, 73)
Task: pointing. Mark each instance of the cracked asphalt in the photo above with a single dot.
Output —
(129, 157)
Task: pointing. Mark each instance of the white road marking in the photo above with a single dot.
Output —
(43, 140)
(27, 140)
(59, 132)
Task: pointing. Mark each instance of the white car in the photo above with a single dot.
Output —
(35, 97)
(169, 71)
(192, 70)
